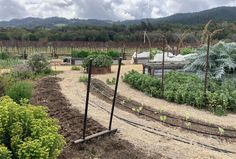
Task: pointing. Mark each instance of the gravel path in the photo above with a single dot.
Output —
(149, 142)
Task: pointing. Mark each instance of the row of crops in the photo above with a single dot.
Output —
(185, 88)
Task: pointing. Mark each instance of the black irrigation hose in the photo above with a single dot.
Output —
(166, 114)
(176, 137)
(226, 136)
(170, 116)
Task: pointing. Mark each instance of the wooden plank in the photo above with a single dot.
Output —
(106, 132)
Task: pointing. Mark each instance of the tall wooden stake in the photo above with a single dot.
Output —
(207, 66)
(163, 66)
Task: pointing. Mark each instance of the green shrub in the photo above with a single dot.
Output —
(4, 56)
(5, 153)
(186, 51)
(147, 84)
(27, 132)
(38, 63)
(113, 54)
(99, 60)
(9, 63)
(83, 79)
(84, 54)
(80, 54)
(22, 72)
(111, 82)
(20, 90)
(75, 68)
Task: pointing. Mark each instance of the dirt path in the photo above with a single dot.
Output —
(47, 93)
(151, 141)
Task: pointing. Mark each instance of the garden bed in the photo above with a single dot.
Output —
(100, 70)
(103, 91)
(48, 93)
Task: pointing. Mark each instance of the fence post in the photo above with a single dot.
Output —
(87, 98)
(115, 93)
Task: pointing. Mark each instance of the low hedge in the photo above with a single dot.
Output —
(185, 88)
(85, 54)
(27, 132)
(99, 61)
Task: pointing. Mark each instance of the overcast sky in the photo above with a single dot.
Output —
(104, 9)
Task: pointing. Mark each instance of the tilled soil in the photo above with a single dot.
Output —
(47, 93)
(148, 135)
(101, 90)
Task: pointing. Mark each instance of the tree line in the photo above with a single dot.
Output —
(118, 33)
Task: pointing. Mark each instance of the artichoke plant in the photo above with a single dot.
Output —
(222, 59)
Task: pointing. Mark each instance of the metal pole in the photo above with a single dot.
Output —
(207, 66)
(163, 66)
(115, 93)
(87, 98)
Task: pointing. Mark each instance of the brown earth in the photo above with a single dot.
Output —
(47, 93)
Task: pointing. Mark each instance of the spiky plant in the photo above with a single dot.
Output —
(222, 57)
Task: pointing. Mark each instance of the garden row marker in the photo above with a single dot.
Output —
(109, 131)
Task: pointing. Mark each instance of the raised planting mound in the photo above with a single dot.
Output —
(71, 121)
(101, 64)
(101, 90)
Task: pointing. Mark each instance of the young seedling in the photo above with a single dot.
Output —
(123, 102)
(188, 124)
(138, 110)
(111, 82)
(187, 116)
(221, 130)
(163, 118)
(161, 110)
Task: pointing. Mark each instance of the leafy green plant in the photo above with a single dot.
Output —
(4, 56)
(163, 118)
(98, 61)
(20, 90)
(9, 63)
(113, 54)
(27, 132)
(186, 51)
(111, 82)
(80, 54)
(83, 79)
(138, 110)
(222, 59)
(221, 130)
(185, 88)
(75, 68)
(188, 124)
(4, 152)
(38, 63)
(22, 72)
(147, 84)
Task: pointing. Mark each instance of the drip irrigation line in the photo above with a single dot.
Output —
(144, 108)
(163, 134)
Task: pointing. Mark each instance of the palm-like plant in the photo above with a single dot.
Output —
(222, 57)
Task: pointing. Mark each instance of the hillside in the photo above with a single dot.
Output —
(217, 14)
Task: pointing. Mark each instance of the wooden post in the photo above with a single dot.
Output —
(163, 65)
(207, 67)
